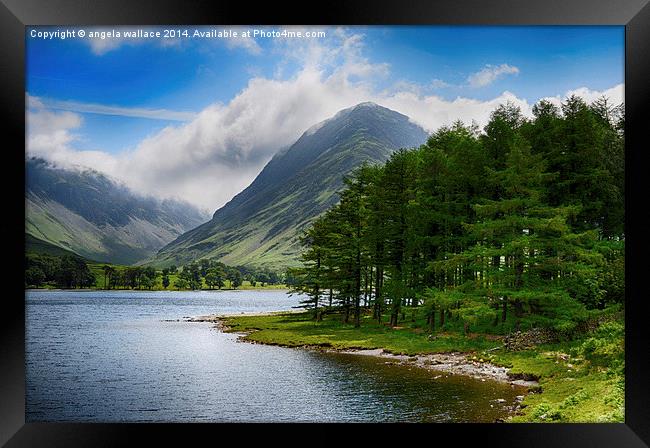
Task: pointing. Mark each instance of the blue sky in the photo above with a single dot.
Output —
(124, 92)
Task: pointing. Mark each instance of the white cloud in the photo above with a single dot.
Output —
(245, 42)
(50, 135)
(439, 84)
(103, 39)
(209, 159)
(490, 73)
(101, 46)
(616, 95)
(139, 112)
(432, 112)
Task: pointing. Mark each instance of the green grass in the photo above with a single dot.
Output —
(580, 380)
(298, 329)
(573, 388)
(35, 245)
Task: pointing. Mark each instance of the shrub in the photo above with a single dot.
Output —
(605, 348)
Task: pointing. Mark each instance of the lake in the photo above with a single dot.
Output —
(122, 356)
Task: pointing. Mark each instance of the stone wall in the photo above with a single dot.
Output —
(522, 340)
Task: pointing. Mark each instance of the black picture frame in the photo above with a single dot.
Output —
(633, 14)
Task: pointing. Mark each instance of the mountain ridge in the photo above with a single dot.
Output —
(86, 212)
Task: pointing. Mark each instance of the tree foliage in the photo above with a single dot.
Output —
(525, 216)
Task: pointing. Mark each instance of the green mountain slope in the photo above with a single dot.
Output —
(85, 212)
(260, 226)
(34, 245)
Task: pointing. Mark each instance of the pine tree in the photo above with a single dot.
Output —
(311, 277)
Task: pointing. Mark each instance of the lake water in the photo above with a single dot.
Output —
(115, 356)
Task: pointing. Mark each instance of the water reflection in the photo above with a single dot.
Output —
(121, 356)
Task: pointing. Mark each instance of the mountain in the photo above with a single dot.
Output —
(260, 226)
(35, 246)
(86, 212)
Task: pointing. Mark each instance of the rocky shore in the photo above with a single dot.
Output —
(217, 318)
(452, 363)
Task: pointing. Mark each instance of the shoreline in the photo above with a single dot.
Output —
(455, 363)
(217, 318)
(565, 387)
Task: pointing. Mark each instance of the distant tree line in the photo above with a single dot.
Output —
(524, 218)
(74, 272)
(130, 277)
(65, 271)
(215, 274)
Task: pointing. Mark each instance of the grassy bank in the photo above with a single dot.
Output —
(581, 380)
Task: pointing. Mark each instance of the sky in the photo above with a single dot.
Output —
(196, 115)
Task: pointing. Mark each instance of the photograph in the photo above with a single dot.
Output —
(332, 223)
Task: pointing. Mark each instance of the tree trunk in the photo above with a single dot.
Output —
(393, 319)
(357, 312)
(519, 308)
(394, 313)
(369, 285)
(518, 263)
(317, 297)
(378, 297)
(504, 313)
(317, 288)
(365, 287)
(357, 294)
